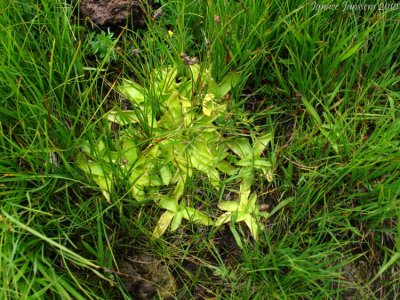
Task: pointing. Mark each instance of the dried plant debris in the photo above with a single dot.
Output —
(146, 277)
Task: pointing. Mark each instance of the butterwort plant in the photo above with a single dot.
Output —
(171, 134)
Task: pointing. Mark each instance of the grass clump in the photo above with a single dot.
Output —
(324, 83)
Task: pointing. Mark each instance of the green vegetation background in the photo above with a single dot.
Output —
(326, 82)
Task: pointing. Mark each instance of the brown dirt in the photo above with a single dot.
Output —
(113, 12)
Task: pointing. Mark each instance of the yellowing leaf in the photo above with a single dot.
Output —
(270, 176)
(169, 204)
(178, 191)
(195, 216)
(252, 224)
(260, 143)
(213, 175)
(163, 224)
(228, 205)
(211, 106)
(224, 218)
(176, 222)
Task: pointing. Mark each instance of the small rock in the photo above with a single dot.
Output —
(113, 12)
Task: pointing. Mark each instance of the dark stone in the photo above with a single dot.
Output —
(113, 12)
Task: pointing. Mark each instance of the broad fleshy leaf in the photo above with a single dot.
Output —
(196, 216)
(257, 163)
(94, 168)
(130, 152)
(131, 90)
(260, 143)
(163, 223)
(169, 204)
(212, 106)
(122, 118)
(166, 175)
(226, 167)
(224, 218)
(177, 220)
(252, 224)
(228, 205)
(241, 147)
(105, 184)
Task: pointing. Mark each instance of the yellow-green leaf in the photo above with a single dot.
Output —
(130, 151)
(177, 220)
(132, 91)
(122, 117)
(169, 204)
(260, 143)
(228, 205)
(241, 148)
(224, 218)
(163, 224)
(226, 167)
(252, 223)
(196, 216)
(166, 175)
